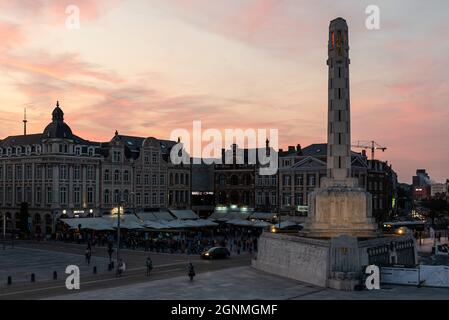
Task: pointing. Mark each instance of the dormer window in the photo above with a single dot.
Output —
(117, 156)
(90, 152)
(77, 151)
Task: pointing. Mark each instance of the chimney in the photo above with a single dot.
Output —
(298, 148)
(364, 153)
(291, 149)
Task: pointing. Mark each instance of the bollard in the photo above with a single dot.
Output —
(9, 280)
(55, 275)
(95, 270)
(33, 277)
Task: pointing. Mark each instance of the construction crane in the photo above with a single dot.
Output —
(373, 145)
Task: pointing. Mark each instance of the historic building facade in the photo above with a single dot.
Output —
(300, 172)
(240, 183)
(56, 173)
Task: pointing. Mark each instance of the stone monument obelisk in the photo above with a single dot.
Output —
(340, 206)
(339, 237)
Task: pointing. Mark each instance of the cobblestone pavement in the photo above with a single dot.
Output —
(247, 283)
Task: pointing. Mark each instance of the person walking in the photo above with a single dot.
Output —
(191, 272)
(88, 255)
(149, 264)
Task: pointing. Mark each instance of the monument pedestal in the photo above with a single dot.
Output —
(340, 209)
(337, 263)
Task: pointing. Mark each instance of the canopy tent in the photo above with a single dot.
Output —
(249, 223)
(99, 224)
(163, 215)
(286, 224)
(262, 215)
(184, 214)
(228, 215)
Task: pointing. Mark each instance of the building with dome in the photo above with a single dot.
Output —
(57, 173)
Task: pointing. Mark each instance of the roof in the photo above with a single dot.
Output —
(184, 214)
(21, 140)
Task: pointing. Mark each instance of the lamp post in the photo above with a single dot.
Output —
(118, 231)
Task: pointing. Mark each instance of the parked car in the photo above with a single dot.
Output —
(216, 253)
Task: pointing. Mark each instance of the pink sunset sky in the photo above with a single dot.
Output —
(148, 67)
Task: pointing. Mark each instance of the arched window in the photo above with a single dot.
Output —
(116, 196)
(116, 176)
(222, 180)
(107, 176)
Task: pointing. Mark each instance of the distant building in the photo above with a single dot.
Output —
(438, 190)
(300, 172)
(420, 185)
(203, 198)
(57, 173)
(240, 184)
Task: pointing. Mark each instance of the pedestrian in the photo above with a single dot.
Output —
(149, 266)
(88, 255)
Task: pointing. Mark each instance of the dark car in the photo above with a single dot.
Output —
(216, 253)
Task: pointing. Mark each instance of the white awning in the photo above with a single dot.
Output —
(184, 214)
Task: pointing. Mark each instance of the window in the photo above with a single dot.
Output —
(107, 175)
(311, 180)
(274, 180)
(287, 199)
(77, 151)
(90, 195)
(287, 181)
(63, 195)
(28, 194)
(299, 199)
(19, 172)
(76, 173)
(90, 173)
(138, 199)
(138, 179)
(63, 172)
(19, 196)
(259, 198)
(38, 172)
(106, 197)
(154, 199)
(116, 156)
(38, 195)
(273, 198)
(28, 172)
(49, 195)
(154, 158)
(90, 152)
(116, 196)
(162, 180)
(126, 176)
(146, 158)
(146, 199)
(154, 180)
(299, 180)
(181, 176)
(147, 180)
(76, 195)
(116, 176)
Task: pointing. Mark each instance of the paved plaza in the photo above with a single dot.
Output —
(243, 283)
(20, 263)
